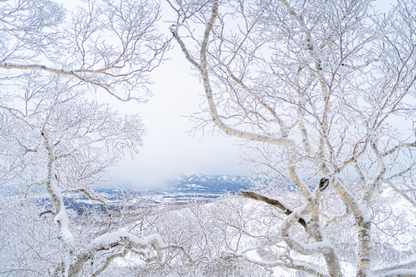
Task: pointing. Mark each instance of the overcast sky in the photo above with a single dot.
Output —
(167, 148)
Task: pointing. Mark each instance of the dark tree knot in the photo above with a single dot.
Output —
(323, 184)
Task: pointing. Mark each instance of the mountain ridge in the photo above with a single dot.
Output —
(179, 188)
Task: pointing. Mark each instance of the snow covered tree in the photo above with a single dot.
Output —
(323, 94)
(109, 45)
(57, 139)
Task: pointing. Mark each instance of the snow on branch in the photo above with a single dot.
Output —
(203, 68)
(96, 200)
(109, 241)
(105, 241)
(274, 202)
(323, 246)
(284, 261)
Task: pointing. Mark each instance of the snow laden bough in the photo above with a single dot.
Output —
(149, 248)
(315, 90)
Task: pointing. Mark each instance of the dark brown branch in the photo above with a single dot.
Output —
(46, 212)
(95, 199)
(273, 202)
(323, 184)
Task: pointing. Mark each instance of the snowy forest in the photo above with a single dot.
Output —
(320, 94)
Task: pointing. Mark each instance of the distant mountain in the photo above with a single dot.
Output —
(199, 183)
(179, 188)
(184, 187)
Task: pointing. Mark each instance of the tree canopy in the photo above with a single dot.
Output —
(327, 90)
(320, 93)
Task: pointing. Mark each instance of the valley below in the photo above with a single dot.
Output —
(179, 189)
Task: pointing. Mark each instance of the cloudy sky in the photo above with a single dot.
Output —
(167, 147)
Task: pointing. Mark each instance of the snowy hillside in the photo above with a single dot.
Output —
(196, 186)
(179, 188)
(212, 184)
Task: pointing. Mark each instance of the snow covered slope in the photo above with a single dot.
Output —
(184, 187)
(179, 188)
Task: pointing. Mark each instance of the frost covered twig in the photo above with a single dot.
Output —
(283, 262)
(273, 202)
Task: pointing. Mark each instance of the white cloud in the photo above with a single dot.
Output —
(167, 148)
